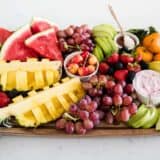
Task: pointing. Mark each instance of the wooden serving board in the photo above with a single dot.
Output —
(101, 130)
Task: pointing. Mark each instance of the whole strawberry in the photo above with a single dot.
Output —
(114, 58)
(4, 99)
(126, 58)
(121, 75)
(103, 67)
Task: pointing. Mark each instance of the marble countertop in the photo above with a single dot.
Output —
(115, 148)
(137, 13)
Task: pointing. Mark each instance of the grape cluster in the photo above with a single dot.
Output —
(116, 98)
(87, 114)
(75, 38)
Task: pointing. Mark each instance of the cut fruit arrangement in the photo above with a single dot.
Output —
(79, 77)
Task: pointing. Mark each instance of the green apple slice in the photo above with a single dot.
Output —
(153, 118)
(140, 113)
(139, 123)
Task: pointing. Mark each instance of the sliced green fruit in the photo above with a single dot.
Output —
(101, 34)
(140, 113)
(98, 53)
(142, 121)
(105, 28)
(153, 118)
(104, 45)
(112, 44)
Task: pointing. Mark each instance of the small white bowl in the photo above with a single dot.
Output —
(134, 37)
(83, 78)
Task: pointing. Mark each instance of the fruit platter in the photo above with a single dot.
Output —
(79, 80)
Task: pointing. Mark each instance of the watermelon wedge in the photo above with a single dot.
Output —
(4, 34)
(40, 24)
(14, 47)
(46, 44)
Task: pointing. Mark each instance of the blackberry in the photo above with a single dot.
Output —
(110, 71)
(130, 76)
(143, 65)
(118, 66)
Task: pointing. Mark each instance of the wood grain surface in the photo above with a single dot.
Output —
(102, 130)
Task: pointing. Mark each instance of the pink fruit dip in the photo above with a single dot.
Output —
(147, 86)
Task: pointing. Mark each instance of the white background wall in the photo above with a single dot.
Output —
(132, 13)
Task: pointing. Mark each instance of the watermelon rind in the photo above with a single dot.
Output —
(34, 37)
(42, 20)
(10, 40)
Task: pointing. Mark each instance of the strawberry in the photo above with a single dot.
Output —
(134, 67)
(103, 67)
(126, 58)
(114, 58)
(4, 99)
(121, 74)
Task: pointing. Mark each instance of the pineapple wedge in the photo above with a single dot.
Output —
(33, 74)
(44, 106)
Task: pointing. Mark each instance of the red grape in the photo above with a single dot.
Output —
(83, 103)
(79, 30)
(69, 127)
(70, 41)
(132, 108)
(129, 89)
(83, 114)
(80, 128)
(127, 100)
(93, 92)
(73, 109)
(94, 116)
(117, 100)
(78, 40)
(87, 85)
(88, 124)
(118, 89)
(84, 47)
(102, 80)
(122, 83)
(110, 84)
(88, 98)
(91, 107)
(107, 101)
(61, 34)
(69, 31)
(60, 124)
(124, 115)
(78, 37)
(109, 118)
